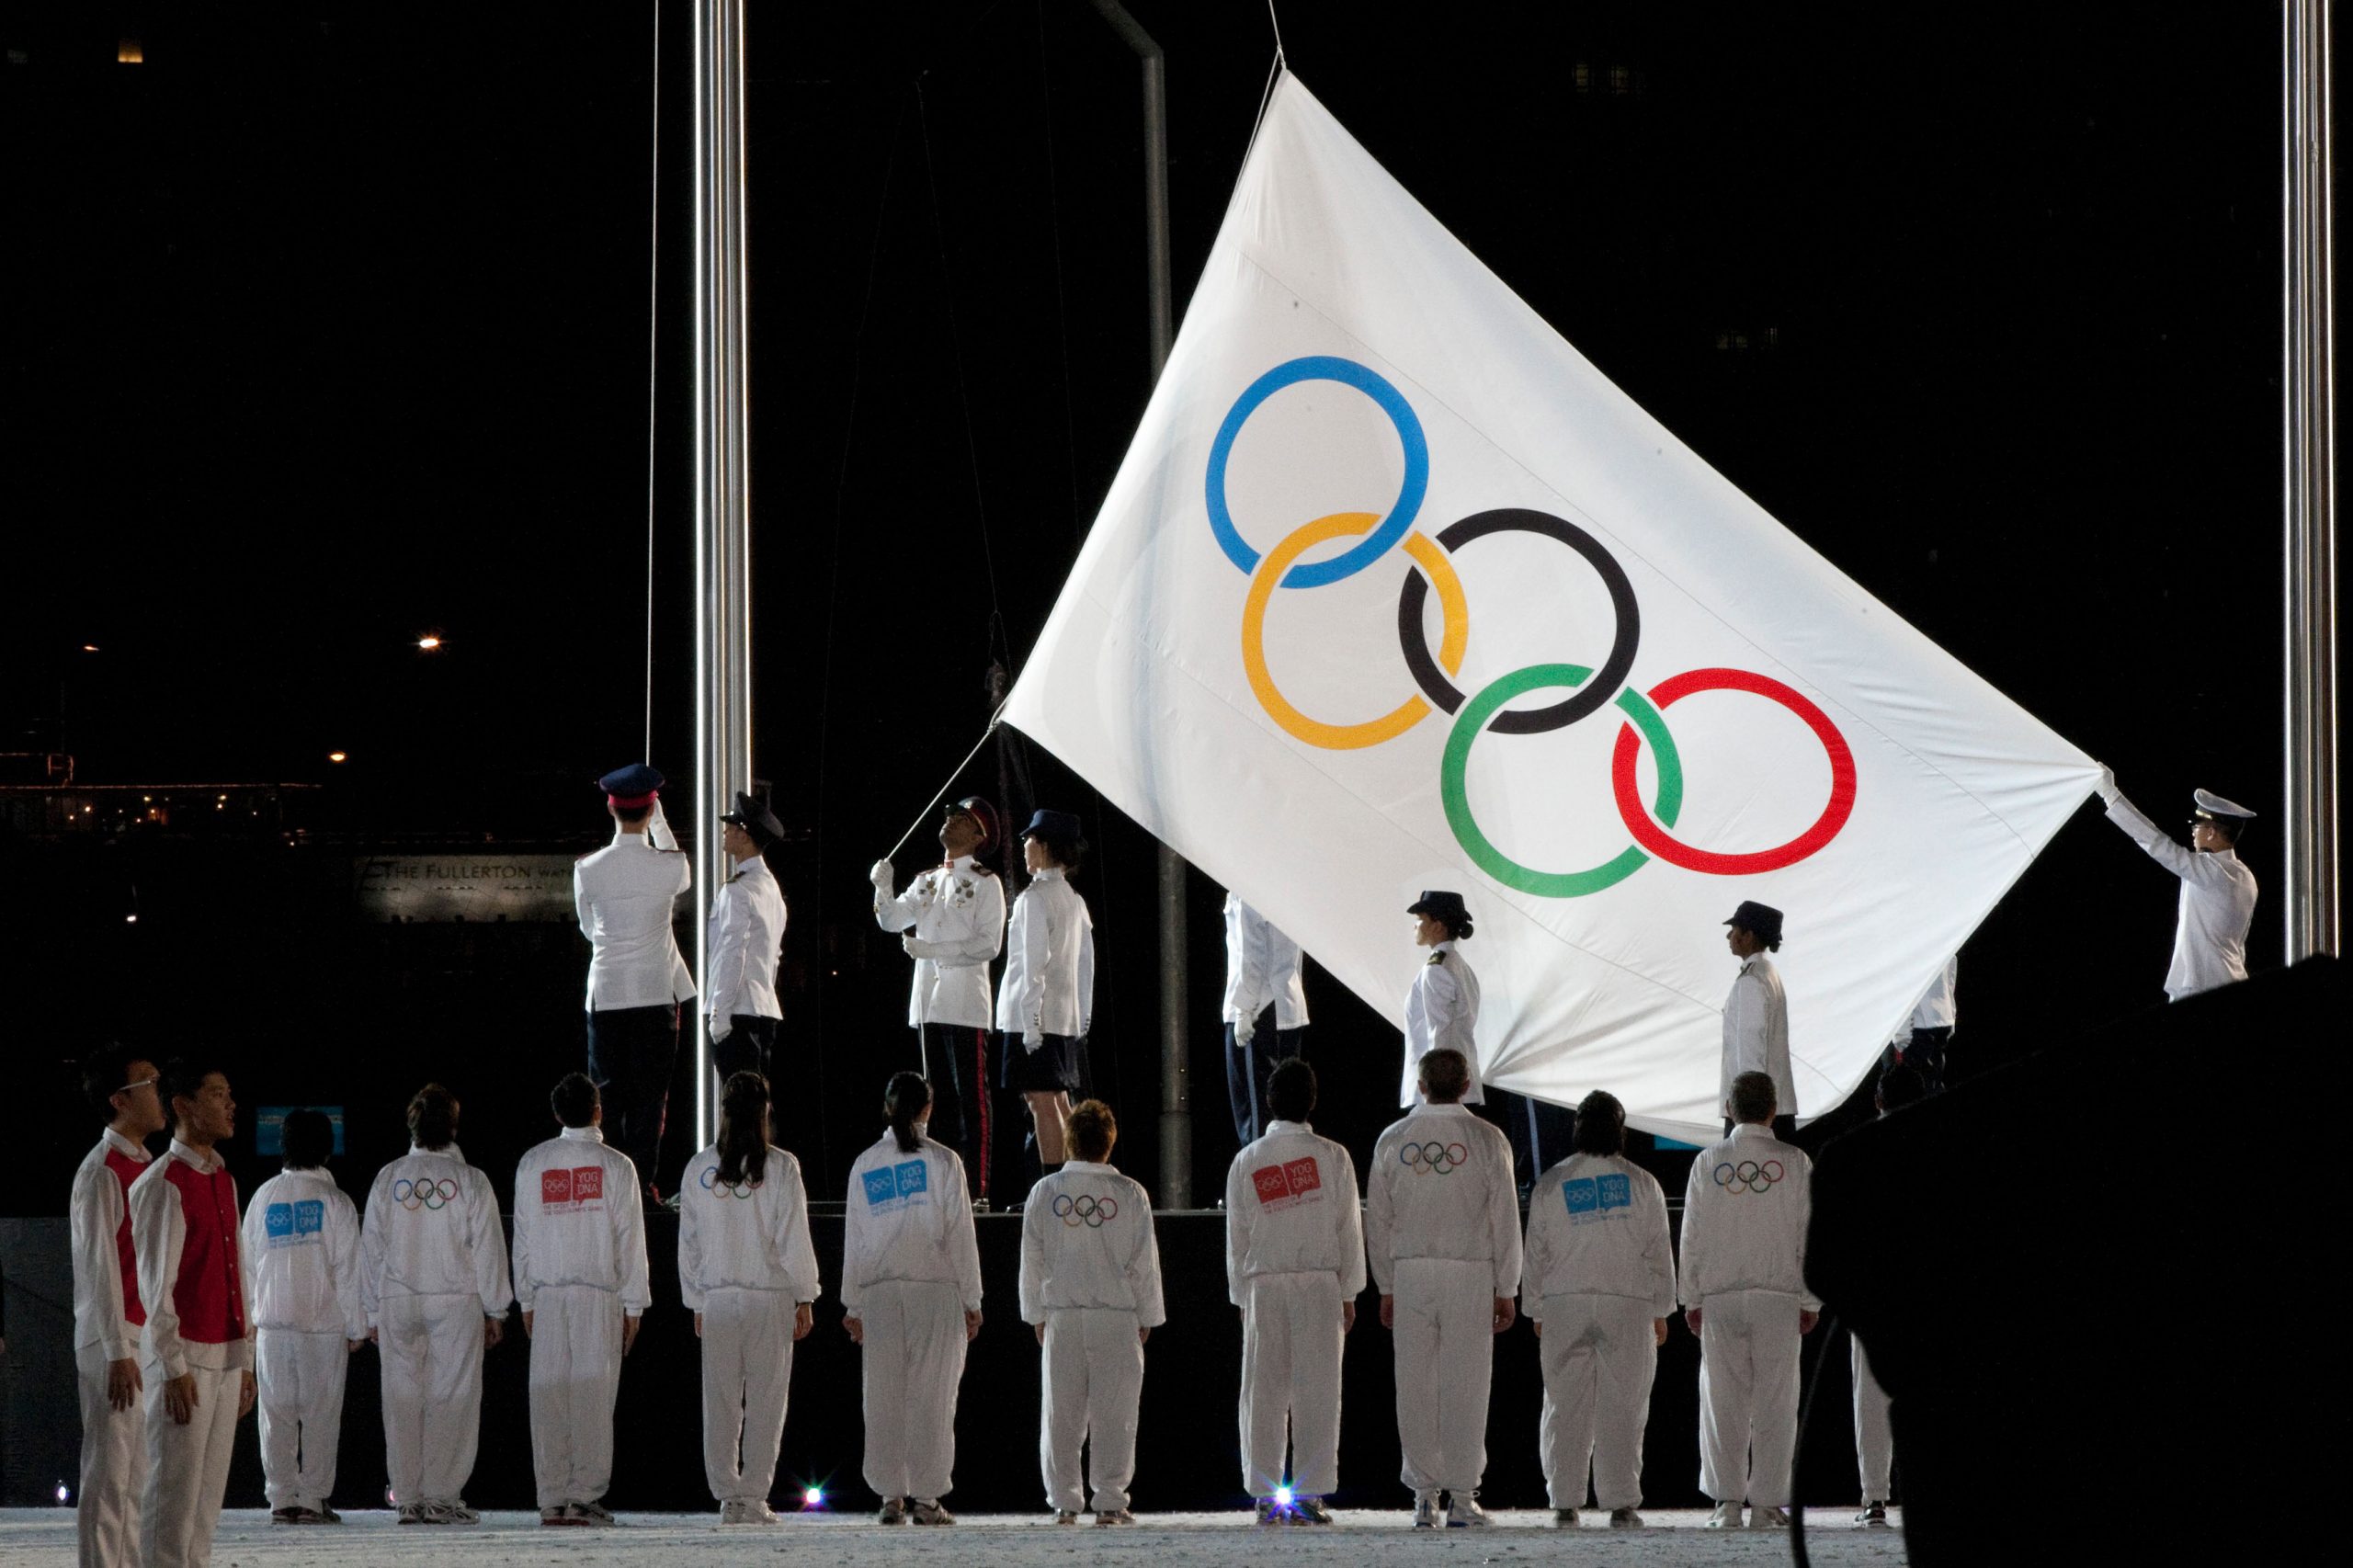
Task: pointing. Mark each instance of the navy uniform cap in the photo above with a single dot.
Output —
(1761, 921)
(754, 819)
(635, 785)
(1440, 904)
(2209, 805)
(1059, 824)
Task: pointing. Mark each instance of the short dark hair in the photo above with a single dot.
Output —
(2229, 827)
(1291, 1091)
(575, 1099)
(1772, 944)
(308, 1138)
(182, 1077)
(104, 1072)
(1093, 1129)
(1900, 1087)
(433, 1118)
(1754, 1099)
(1601, 1125)
(632, 816)
(1445, 1074)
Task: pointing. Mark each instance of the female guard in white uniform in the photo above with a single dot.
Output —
(1048, 992)
(748, 1273)
(1442, 1009)
(910, 1286)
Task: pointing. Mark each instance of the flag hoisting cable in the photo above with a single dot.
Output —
(949, 785)
(653, 345)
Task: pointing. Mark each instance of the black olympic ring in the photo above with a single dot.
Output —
(1748, 1176)
(1086, 1209)
(1588, 697)
(1432, 1156)
(423, 1194)
(711, 1184)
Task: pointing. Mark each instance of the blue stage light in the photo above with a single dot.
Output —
(813, 1497)
(1282, 1497)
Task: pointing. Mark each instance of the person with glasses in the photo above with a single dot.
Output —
(108, 1316)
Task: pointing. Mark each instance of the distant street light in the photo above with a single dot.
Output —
(89, 647)
(428, 643)
(337, 755)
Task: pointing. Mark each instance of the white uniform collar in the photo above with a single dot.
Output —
(1278, 1125)
(1456, 1108)
(135, 1151)
(637, 833)
(311, 1172)
(961, 863)
(585, 1134)
(449, 1153)
(751, 863)
(208, 1162)
(1751, 1129)
(1098, 1166)
(1748, 965)
(1445, 947)
(1050, 874)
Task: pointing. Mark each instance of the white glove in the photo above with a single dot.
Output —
(2108, 792)
(720, 1027)
(915, 946)
(882, 876)
(1032, 1039)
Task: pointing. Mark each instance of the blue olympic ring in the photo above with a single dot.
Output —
(1348, 563)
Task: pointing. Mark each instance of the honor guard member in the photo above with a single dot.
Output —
(1921, 1046)
(953, 917)
(1874, 1438)
(1442, 1009)
(748, 1272)
(746, 937)
(1757, 1015)
(1090, 1288)
(626, 894)
(910, 1286)
(107, 1317)
(1265, 1012)
(197, 1347)
(434, 1283)
(580, 1279)
(1044, 1007)
(1745, 1295)
(1294, 1264)
(1441, 1224)
(2217, 888)
(302, 1250)
(1600, 1288)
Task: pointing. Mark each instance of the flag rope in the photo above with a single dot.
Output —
(950, 784)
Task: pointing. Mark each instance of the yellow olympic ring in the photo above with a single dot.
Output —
(1434, 565)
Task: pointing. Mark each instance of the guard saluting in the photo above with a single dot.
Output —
(2217, 888)
(1442, 1009)
(748, 918)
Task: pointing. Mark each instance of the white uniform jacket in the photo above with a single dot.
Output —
(1939, 1008)
(909, 1217)
(158, 1234)
(957, 912)
(1596, 1226)
(1442, 1010)
(747, 935)
(1757, 1033)
(431, 1229)
(1441, 1187)
(625, 894)
(2217, 905)
(1087, 1241)
(301, 1245)
(1744, 1219)
(1049, 961)
(98, 1211)
(578, 1219)
(748, 1236)
(1262, 965)
(1292, 1208)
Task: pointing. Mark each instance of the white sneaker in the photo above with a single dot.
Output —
(1726, 1518)
(1065, 1515)
(1769, 1518)
(746, 1511)
(892, 1511)
(927, 1511)
(451, 1514)
(1564, 1518)
(1425, 1510)
(595, 1514)
(1625, 1519)
(1113, 1517)
(1463, 1510)
(1873, 1517)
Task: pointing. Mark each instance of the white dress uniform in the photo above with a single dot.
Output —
(1940, 1004)
(1744, 1265)
(746, 934)
(1601, 1274)
(625, 896)
(1874, 1438)
(432, 1271)
(301, 1251)
(579, 1270)
(2217, 905)
(1441, 1224)
(1263, 967)
(1090, 1276)
(1294, 1255)
(746, 1262)
(1442, 1009)
(958, 913)
(107, 1328)
(1757, 1033)
(911, 1269)
(1049, 961)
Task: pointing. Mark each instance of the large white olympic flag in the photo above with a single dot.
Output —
(1395, 591)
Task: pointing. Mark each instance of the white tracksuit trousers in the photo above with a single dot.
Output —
(1445, 1335)
(1092, 1382)
(1874, 1440)
(1748, 1396)
(1290, 1381)
(300, 1406)
(431, 1348)
(914, 1360)
(188, 1467)
(747, 1373)
(575, 1377)
(1599, 1355)
(114, 1468)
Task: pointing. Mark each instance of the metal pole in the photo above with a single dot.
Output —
(2308, 387)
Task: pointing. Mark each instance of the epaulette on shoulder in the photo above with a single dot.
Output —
(1437, 958)
(669, 852)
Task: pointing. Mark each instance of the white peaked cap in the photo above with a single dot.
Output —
(2214, 805)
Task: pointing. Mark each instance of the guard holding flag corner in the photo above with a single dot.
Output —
(2217, 890)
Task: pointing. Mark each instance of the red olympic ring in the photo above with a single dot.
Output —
(1673, 850)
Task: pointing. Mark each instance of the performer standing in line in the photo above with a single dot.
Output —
(911, 1285)
(1265, 1011)
(197, 1345)
(434, 1283)
(1600, 1288)
(1090, 1287)
(1756, 1014)
(1048, 998)
(580, 1279)
(746, 937)
(302, 1248)
(1745, 1295)
(1874, 1436)
(108, 1316)
(627, 894)
(953, 917)
(1294, 1265)
(1921, 1047)
(748, 1272)
(1441, 1224)
(1442, 1009)
(2217, 888)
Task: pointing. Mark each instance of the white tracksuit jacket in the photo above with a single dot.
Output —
(1049, 961)
(911, 1269)
(114, 1442)
(957, 913)
(1441, 1010)
(301, 1245)
(1090, 1277)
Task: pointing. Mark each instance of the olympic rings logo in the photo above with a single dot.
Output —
(1642, 714)
(1424, 1158)
(1748, 1176)
(1086, 1209)
(416, 1195)
(711, 1184)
